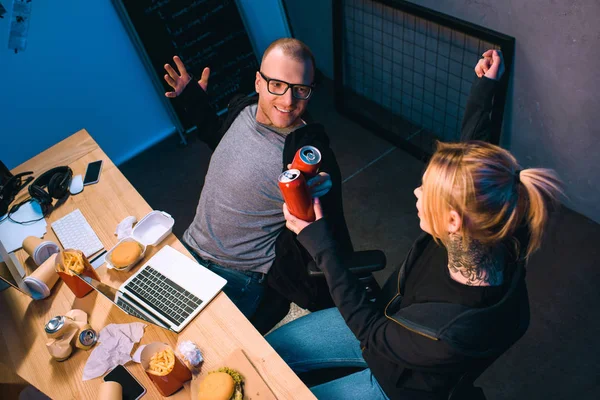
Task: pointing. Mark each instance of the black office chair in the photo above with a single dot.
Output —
(363, 264)
(465, 389)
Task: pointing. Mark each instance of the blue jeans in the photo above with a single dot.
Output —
(244, 288)
(323, 340)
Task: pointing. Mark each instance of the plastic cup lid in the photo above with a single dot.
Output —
(39, 290)
(44, 251)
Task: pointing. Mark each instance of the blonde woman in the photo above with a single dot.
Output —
(459, 300)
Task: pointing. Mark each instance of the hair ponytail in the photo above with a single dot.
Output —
(542, 188)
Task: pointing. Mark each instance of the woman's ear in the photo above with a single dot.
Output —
(455, 222)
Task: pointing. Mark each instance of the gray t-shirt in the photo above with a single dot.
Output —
(240, 215)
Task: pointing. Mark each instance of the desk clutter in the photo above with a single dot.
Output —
(168, 368)
(116, 342)
(159, 287)
(67, 331)
(143, 282)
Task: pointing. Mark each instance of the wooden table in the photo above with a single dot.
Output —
(218, 330)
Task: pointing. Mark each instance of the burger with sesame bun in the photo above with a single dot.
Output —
(222, 384)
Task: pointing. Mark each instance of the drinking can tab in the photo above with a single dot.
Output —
(86, 339)
(307, 160)
(56, 326)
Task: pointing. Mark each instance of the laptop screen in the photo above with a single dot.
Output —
(6, 278)
(127, 304)
(10, 269)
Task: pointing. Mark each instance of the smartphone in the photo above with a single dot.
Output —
(92, 173)
(132, 389)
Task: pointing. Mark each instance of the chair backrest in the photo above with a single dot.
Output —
(464, 389)
(362, 264)
(359, 263)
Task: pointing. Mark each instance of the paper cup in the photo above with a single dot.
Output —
(39, 250)
(43, 279)
(30, 243)
(174, 380)
(38, 289)
(110, 391)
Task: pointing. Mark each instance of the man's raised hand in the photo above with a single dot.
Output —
(179, 79)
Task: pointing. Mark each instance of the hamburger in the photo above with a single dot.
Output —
(125, 254)
(222, 384)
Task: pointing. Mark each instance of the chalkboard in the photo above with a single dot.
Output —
(202, 33)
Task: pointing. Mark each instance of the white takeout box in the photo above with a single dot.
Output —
(149, 231)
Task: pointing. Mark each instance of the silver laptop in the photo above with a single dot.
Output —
(168, 291)
(11, 272)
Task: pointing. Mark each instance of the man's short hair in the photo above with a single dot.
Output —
(293, 48)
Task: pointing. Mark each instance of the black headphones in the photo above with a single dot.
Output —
(57, 182)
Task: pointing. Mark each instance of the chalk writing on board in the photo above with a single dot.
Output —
(206, 51)
(194, 41)
(156, 6)
(188, 8)
(196, 22)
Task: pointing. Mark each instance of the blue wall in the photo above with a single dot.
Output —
(265, 20)
(80, 70)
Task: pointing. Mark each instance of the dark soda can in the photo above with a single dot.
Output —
(86, 339)
(307, 160)
(296, 195)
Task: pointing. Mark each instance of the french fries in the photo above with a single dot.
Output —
(72, 262)
(162, 362)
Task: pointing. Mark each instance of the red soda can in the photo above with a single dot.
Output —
(296, 195)
(307, 160)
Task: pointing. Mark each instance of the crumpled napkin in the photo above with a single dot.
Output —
(114, 348)
(190, 352)
(125, 227)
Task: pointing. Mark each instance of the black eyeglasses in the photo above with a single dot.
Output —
(278, 88)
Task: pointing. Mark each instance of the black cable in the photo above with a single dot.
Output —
(16, 207)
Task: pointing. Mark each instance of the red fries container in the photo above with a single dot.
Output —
(77, 286)
(174, 380)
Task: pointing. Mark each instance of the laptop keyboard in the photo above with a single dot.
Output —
(131, 311)
(168, 298)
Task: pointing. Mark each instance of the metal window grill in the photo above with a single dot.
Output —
(405, 71)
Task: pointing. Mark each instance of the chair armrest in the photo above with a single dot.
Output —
(359, 263)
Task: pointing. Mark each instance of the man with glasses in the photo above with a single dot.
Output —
(239, 228)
